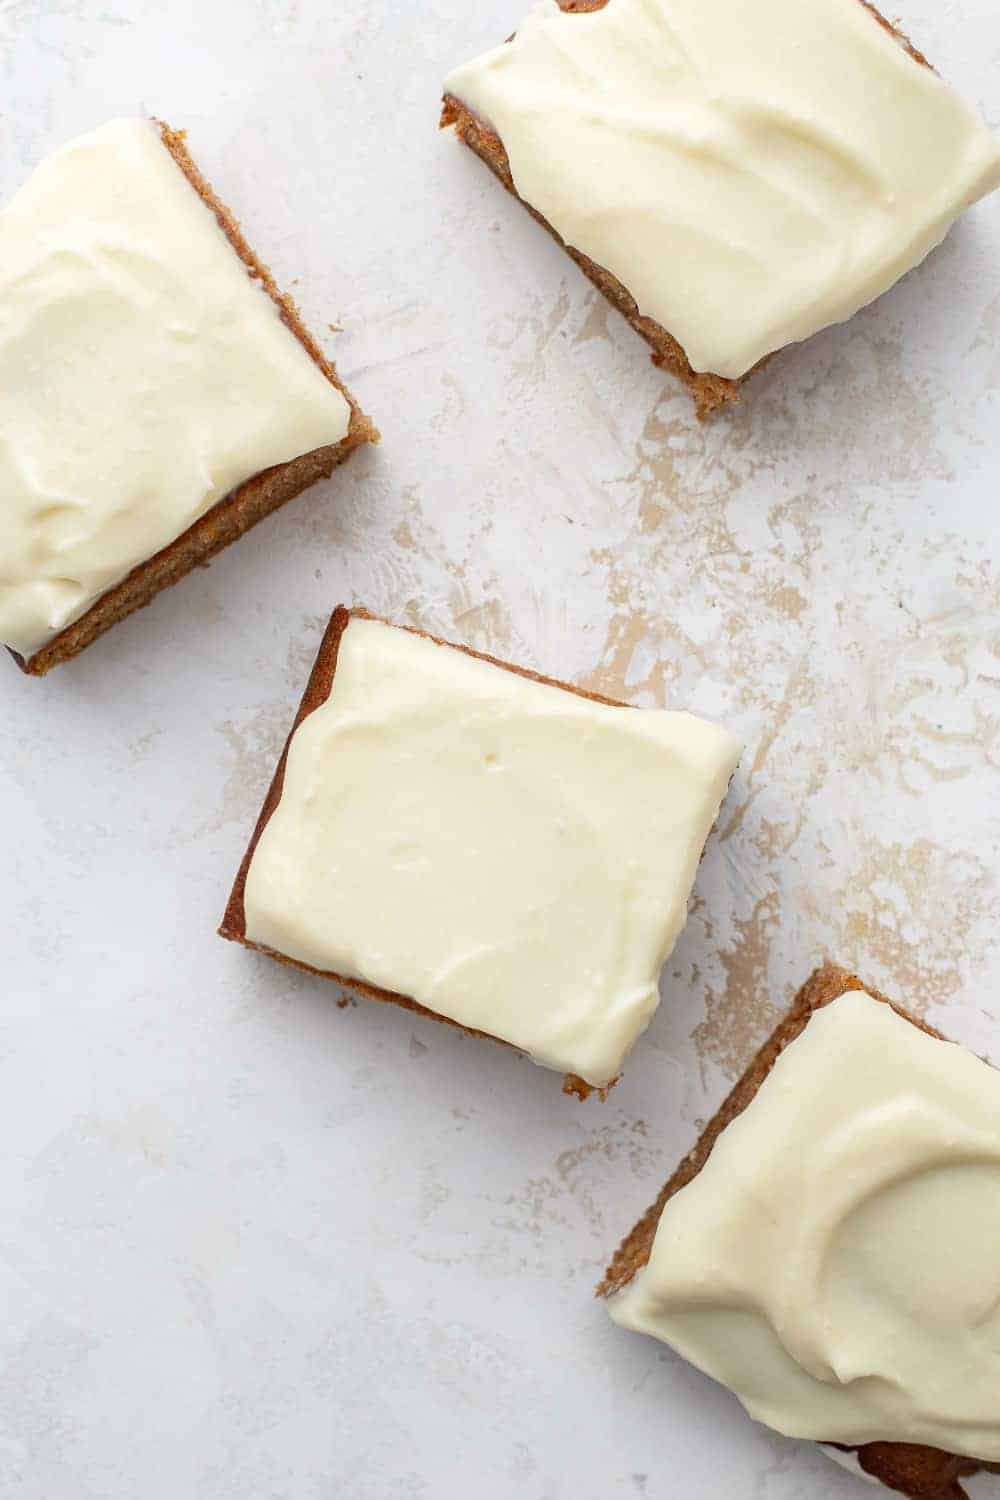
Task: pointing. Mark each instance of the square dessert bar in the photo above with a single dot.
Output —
(470, 840)
(732, 176)
(828, 1248)
(158, 394)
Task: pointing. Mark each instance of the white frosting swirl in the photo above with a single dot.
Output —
(835, 1261)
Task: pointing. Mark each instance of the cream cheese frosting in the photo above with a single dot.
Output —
(143, 373)
(511, 855)
(750, 172)
(834, 1263)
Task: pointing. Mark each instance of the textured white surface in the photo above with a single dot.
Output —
(254, 1245)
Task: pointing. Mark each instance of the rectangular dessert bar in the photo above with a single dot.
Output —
(161, 395)
(916, 1469)
(475, 842)
(731, 177)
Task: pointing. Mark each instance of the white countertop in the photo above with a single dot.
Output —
(257, 1246)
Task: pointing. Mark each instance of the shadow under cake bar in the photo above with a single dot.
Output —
(828, 1249)
(159, 394)
(484, 845)
(732, 176)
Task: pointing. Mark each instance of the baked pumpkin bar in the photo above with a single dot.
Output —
(158, 394)
(828, 1249)
(484, 845)
(733, 176)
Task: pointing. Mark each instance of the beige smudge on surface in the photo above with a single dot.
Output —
(597, 324)
(254, 750)
(453, 405)
(469, 607)
(785, 599)
(255, 745)
(792, 655)
(485, 626)
(403, 537)
(626, 632)
(918, 912)
(526, 337)
(579, 1186)
(740, 1014)
(607, 1143)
